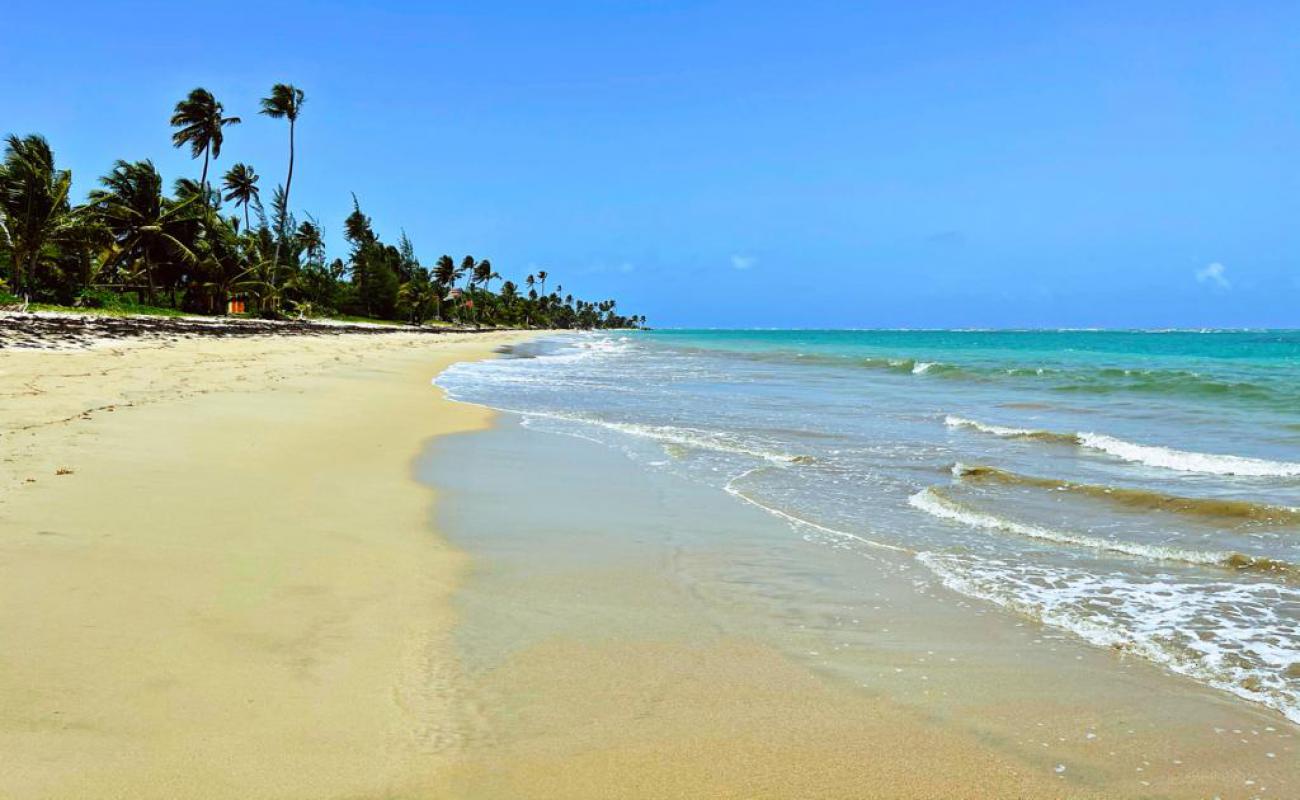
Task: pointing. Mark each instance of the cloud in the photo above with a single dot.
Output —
(1213, 273)
(743, 262)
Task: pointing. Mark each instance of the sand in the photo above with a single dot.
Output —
(217, 575)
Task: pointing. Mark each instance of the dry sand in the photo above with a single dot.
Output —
(217, 576)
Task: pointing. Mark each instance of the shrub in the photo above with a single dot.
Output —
(7, 298)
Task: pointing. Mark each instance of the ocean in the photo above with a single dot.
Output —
(1135, 490)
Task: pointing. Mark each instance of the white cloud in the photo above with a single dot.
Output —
(743, 262)
(1213, 273)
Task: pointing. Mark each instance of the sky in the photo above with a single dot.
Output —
(742, 164)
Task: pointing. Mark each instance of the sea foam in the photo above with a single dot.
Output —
(932, 502)
(1148, 455)
(1233, 636)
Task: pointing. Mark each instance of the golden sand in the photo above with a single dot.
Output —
(217, 576)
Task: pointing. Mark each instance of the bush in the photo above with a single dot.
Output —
(102, 298)
(113, 304)
(7, 298)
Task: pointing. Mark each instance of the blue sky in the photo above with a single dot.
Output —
(745, 163)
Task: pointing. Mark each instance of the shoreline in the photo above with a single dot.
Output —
(646, 635)
(217, 572)
(269, 567)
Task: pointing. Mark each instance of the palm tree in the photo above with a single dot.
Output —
(417, 294)
(199, 118)
(466, 270)
(143, 223)
(285, 102)
(444, 275)
(33, 203)
(484, 274)
(541, 278)
(312, 241)
(240, 182)
(445, 271)
(188, 188)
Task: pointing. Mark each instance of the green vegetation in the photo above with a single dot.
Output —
(132, 248)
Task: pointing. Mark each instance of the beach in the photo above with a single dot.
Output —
(217, 576)
(290, 567)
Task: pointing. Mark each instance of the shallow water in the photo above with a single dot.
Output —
(1132, 490)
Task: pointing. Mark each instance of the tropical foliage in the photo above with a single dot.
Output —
(132, 244)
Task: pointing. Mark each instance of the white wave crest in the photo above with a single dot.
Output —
(937, 506)
(995, 430)
(1149, 455)
(1186, 461)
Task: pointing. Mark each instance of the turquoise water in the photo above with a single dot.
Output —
(1138, 490)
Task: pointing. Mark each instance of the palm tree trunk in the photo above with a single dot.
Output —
(288, 185)
(148, 274)
(246, 222)
(288, 182)
(31, 270)
(19, 259)
(203, 179)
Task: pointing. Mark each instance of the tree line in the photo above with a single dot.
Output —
(212, 246)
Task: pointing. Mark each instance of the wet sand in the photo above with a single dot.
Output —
(217, 576)
(628, 633)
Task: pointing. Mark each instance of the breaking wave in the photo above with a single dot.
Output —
(1236, 637)
(1140, 499)
(1149, 455)
(933, 502)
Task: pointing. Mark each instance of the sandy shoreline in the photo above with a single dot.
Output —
(220, 578)
(217, 577)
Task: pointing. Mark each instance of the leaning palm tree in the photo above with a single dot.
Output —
(444, 275)
(240, 183)
(466, 270)
(199, 118)
(33, 203)
(285, 102)
(484, 274)
(312, 240)
(145, 226)
(445, 271)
